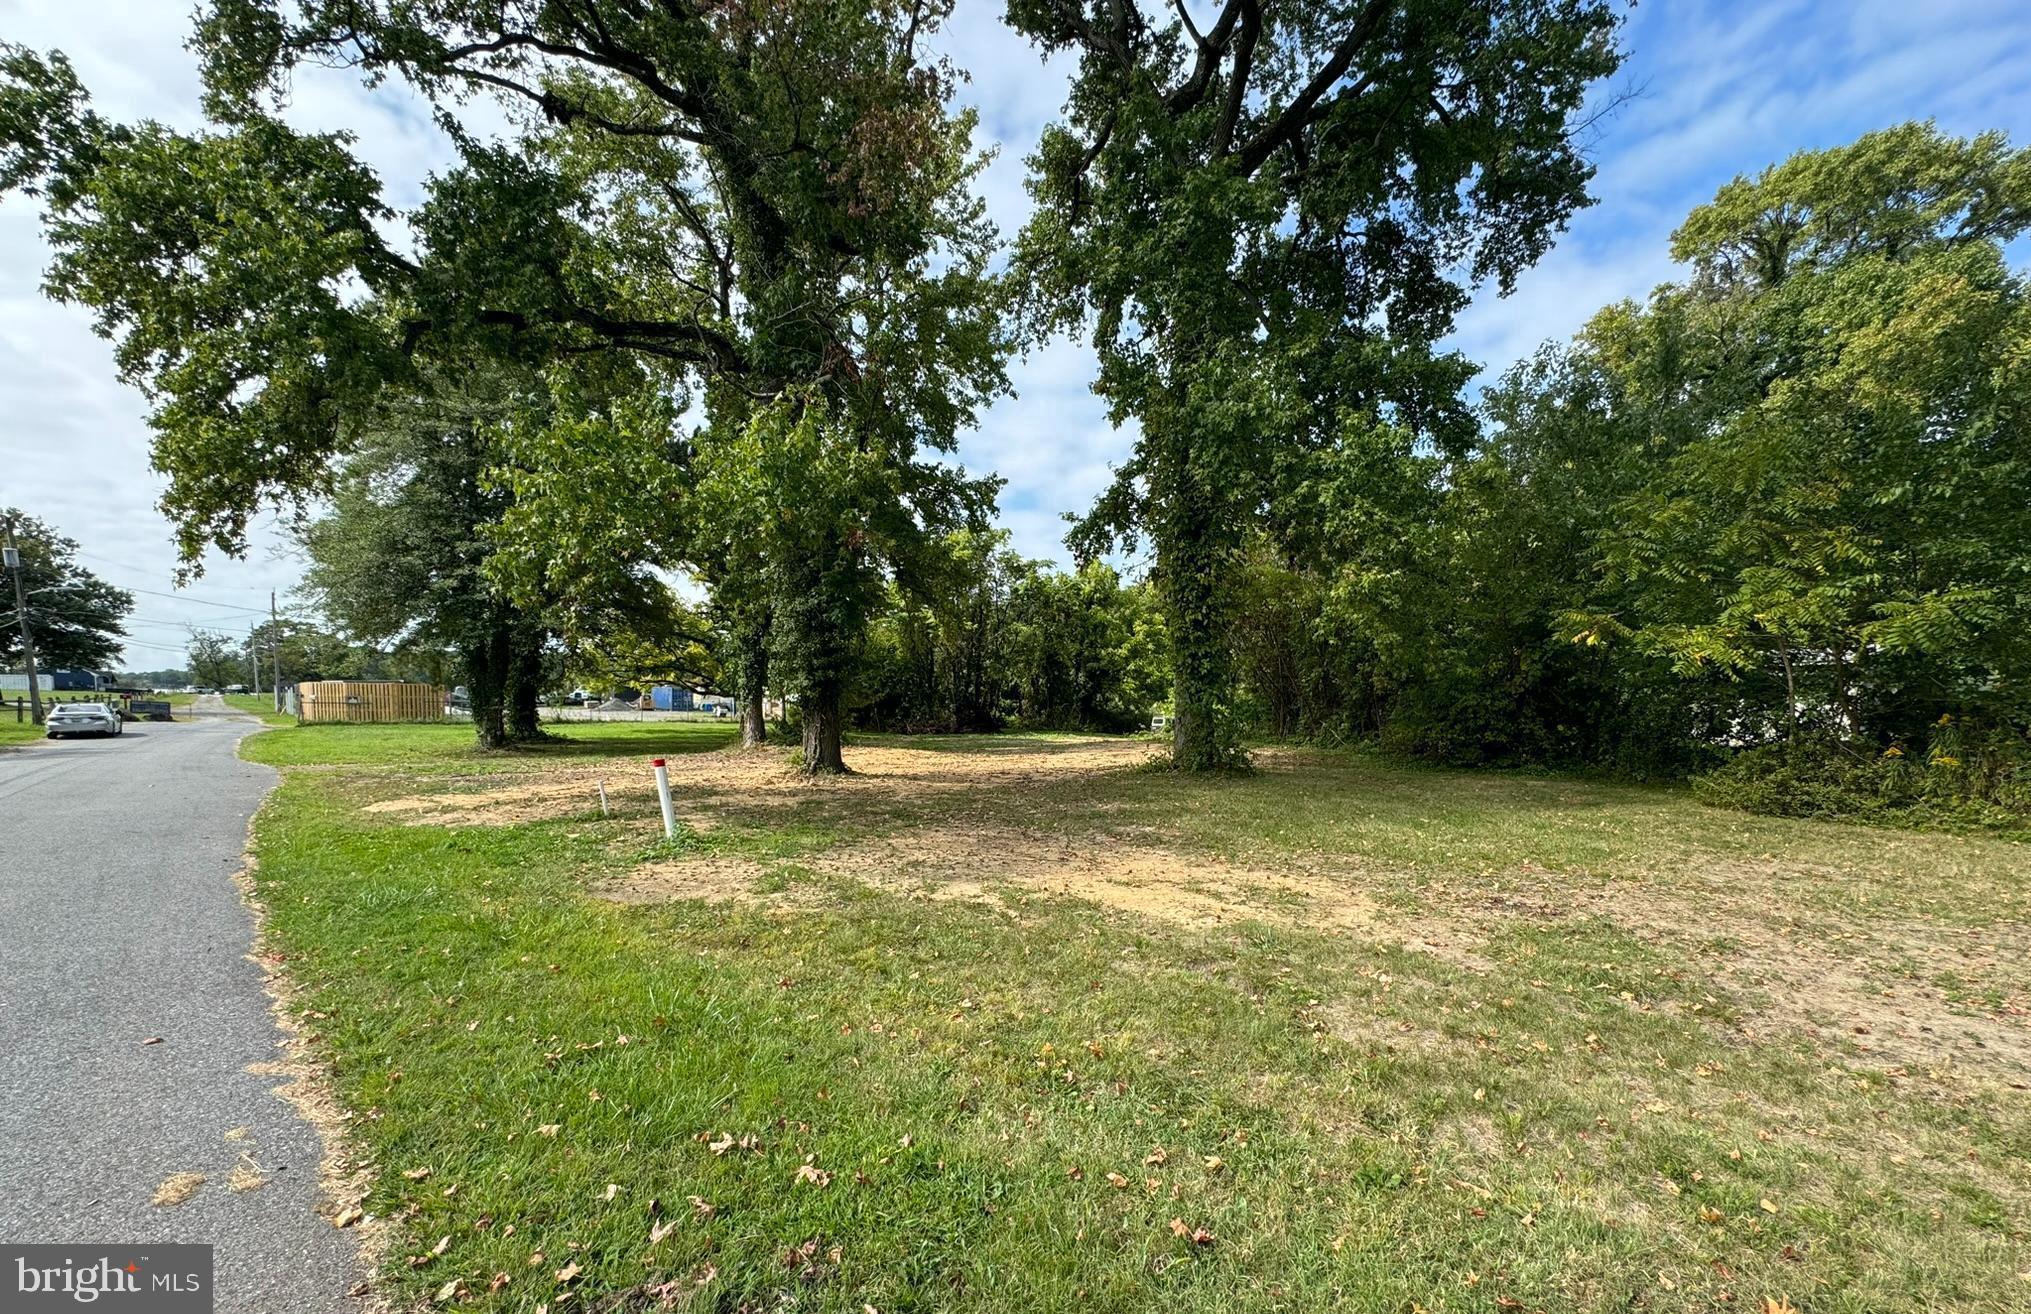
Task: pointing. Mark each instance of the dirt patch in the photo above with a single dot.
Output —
(734, 776)
(1832, 986)
(1005, 867)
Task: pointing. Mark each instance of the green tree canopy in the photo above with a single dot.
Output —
(1271, 219)
(75, 618)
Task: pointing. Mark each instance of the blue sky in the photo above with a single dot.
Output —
(1710, 89)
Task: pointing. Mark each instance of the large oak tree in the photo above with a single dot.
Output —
(763, 205)
(1268, 215)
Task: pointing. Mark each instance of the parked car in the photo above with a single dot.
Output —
(83, 719)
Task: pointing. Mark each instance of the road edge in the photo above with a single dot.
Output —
(345, 1172)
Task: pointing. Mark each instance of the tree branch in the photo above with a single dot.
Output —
(1306, 107)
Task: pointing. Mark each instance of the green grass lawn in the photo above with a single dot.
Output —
(17, 732)
(261, 705)
(1011, 1025)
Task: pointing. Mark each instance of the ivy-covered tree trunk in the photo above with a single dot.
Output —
(1197, 540)
(750, 672)
(487, 660)
(525, 681)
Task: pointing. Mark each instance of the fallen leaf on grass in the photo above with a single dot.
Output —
(416, 1174)
(612, 1189)
(449, 1291)
(1709, 1214)
(657, 1231)
(813, 1174)
(569, 1271)
(347, 1217)
(176, 1188)
(1767, 1205)
(1117, 1181)
(701, 1206)
(550, 1129)
(1214, 1163)
(1198, 1236)
(1157, 1156)
(498, 1281)
(1778, 1305)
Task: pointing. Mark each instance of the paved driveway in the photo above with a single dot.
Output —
(119, 921)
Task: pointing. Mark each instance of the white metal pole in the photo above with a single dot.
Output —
(663, 796)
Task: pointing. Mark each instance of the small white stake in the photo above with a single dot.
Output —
(602, 798)
(663, 796)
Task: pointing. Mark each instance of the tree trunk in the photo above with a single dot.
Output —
(752, 677)
(1203, 734)
(525, 679)
(486, 662)
(822, 720)
(1790, 692)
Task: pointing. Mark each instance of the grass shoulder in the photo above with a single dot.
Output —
(1009, 1025)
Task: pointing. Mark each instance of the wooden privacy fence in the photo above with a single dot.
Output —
(368, 700)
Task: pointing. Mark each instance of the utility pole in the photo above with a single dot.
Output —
(11, 557)
(274, 650)
(254, 654)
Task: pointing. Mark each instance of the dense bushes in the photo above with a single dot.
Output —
(1987, 789)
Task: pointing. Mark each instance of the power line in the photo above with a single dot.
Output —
(203, 602)
(144, 570)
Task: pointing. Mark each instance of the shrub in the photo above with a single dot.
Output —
(1963, 780)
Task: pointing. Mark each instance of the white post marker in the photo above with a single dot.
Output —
(602, 798)
(663, 796)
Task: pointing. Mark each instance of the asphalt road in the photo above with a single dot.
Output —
(119, 921)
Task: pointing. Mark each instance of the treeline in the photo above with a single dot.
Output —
(680, 326)
(1010, 643)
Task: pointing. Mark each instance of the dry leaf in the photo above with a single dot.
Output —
(416, 1174)
(657, 1231)
(1778, 1305)
(723, 1144)
(569, 1271)
(1178, 1228)
(1117, 1181)
(1214, 1163)
(701, 1206)
(550, 1129)
(498, 1281)
(612, 1189)
(443, 1244)
(813, 1174)
(1768, 1205)
(1156, 1156)
(449, 1291)
(347, 1217)
(1709, 1214)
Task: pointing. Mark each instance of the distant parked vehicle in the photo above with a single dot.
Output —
(83, 719)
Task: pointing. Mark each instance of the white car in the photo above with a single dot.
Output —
(83, 719)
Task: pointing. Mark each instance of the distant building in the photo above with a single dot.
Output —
(54, 682)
